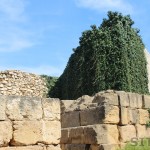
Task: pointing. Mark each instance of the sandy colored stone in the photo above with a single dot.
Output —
(52, 147)
(2, 107)
(74, 147)
(127, 133)
(102, 114)
(70, 119)
(32, 132)
(133, 116)
(101, 134)
(133, 100)
(24, 148)
(65, 136)
(146, 101)
(65, 105)
(51, 109)
(143, 116)
(5, 133)
(124, 120)
(19, 108)
(141, 131)
(139, 100)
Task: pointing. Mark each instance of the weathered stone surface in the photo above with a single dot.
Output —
(101, 134)
(103, 114)
(70, 119)
(108, 147)
(139, 101)
(143, 116)
(124, 120)
(146, 101)
(133, 100)
(106, 98)
(76, 135)
(2, 107)
(141, 131)
(65, 136)
(65, 105)
(133, 116)
(32, 132)
(5, 133)
(19, 108)
(51, 109)
(24, 148)
(127, 133)
(123, 98)
(52, 147)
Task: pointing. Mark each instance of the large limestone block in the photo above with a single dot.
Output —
(104, 147)
(76, 135)
(70, 119)
(65, 136)
(103, 114)
(65, 105)
(5, 133)
(74, 147)
(19, 108)
(124, 116)
(53, 147)
(110, 98)
(146, 101)
(133, 100)
(123, 98)
(133, 116)
(2, 107)
(141, 131)
(32, 132)
(143, 116)
(101, 134)
(24, 148)
(127, 133)
(51, 109)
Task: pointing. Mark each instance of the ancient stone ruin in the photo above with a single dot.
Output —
(106, 121)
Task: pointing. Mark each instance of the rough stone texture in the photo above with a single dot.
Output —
(124, 120)
(33, 132)
(73, 147)
(51, 108)
(24, 148)
(19, 108)
(146, 102)
(70, 119)
(141, 131)
(133, 100)
(52, 147)
(65, 136)
(101, 114)
(101, 134)
(127, 133)
(14, 82)
(143, 116)
(2, 108)
(5, 133)
(133, 116)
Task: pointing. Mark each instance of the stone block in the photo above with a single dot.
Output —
(19, 108)
(143, 116)
(127, 133)
(6, 132)
(123, 98)
(65, 105)
(101, 134)
(70, 119)
(74, 147)
(106, 98)
(133, 100)
(146, 101)
(133, 116)
(24, 148)
(103, 114)
(51, 109)
(141, 131)
(108, 147)
(76, 135)
(124, 120)
(32, 132)
(2, 107)
(139, 101)
(53, 147)
(65, 136)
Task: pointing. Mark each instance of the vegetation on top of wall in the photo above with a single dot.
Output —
(110, 56)
(50, 82)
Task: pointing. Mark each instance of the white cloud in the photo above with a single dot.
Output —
(105, 5)
(13, 36)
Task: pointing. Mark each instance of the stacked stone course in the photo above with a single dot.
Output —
(14, 82)
(105, 121)
(29, 123)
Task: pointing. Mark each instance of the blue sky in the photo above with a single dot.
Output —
(38, 36)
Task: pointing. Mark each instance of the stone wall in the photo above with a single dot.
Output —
(13, 82)
(105, 121)
(29, 123)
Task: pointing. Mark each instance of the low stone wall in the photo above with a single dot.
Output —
(29, 123)
(13, 82)
(104, 122)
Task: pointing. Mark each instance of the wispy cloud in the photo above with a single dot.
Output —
(13, 36)
(105, 5)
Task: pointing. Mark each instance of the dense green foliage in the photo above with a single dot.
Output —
(110, 56)
(50, 82)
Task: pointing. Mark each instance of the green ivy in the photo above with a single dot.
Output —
(110, 56)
